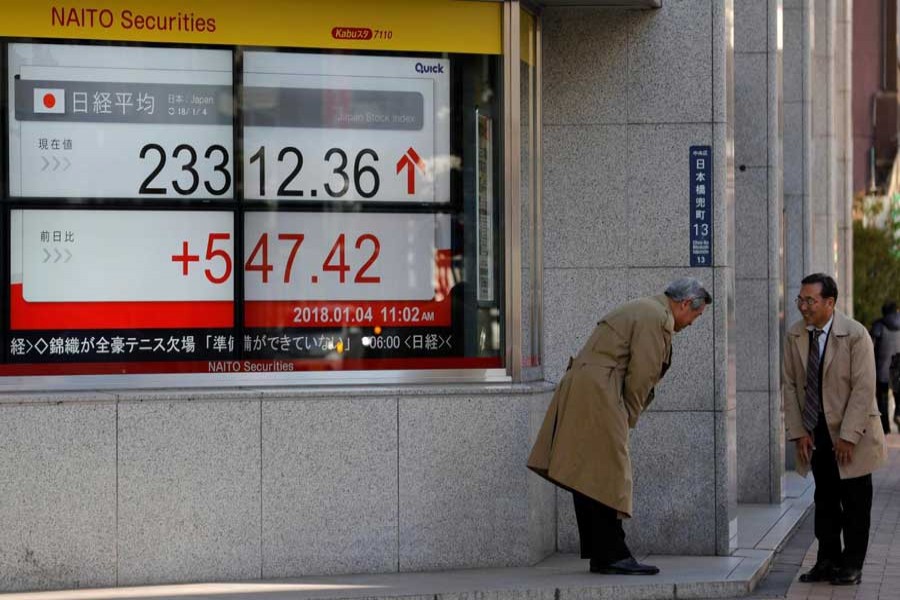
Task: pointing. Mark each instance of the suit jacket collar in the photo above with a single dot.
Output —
(841, 324)
(840, 327)
(670, 319)
(669, 329)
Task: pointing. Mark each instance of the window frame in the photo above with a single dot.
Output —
(235, 205)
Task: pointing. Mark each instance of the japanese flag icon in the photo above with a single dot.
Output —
(50, 100)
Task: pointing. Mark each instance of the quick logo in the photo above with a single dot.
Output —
(424, 69)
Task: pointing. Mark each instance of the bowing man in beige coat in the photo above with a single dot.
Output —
(831, 414)
(583, 443)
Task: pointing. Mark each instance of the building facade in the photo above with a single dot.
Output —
(433, 203)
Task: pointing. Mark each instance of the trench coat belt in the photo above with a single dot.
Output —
(596, 361)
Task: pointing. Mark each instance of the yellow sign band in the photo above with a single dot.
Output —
(462, 26)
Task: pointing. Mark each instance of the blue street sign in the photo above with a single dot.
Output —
(701, 195)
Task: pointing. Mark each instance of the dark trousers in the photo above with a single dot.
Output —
(600, 531)
(881, 395)
(843, 506)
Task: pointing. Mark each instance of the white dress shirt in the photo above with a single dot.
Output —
(824, 337)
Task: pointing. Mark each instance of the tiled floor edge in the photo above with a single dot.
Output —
(650, 591)
(785, 527)
(761, 572)
(696, 590)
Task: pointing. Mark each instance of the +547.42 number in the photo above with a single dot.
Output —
(366, 247)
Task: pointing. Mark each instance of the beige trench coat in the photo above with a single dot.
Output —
(583, 442)
(848, 392)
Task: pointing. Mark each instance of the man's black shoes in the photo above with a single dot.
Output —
(847, 576)
(824, 570)
(626, 566)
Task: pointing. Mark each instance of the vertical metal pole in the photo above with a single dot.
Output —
(538, 159)
(512, 188)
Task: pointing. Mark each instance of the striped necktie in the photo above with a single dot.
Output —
(813, 403)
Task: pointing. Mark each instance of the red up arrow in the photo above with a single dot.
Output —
(407, 161)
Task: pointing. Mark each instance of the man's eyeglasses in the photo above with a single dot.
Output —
(807, 301)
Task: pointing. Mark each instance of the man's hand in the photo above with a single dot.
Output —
(805, 448)
(843, 452)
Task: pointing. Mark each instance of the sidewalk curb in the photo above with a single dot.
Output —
(557, 577)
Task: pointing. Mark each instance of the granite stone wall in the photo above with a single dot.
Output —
(798, 151)
(105, 489)
(758, 262)
(626, 93)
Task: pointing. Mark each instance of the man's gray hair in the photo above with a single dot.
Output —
(689, 288)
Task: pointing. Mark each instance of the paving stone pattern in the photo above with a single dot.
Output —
(786, 563)
(881, 573)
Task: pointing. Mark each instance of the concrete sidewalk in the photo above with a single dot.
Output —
(761, 530)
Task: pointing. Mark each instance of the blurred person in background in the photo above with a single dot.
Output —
(886, 337)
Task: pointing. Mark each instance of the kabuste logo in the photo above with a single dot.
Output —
(351, 33)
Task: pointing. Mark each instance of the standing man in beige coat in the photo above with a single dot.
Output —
(583, 444)
(831, 414)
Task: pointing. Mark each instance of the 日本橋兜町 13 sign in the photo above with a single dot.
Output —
(701, 206)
